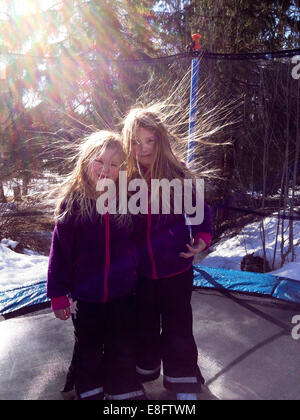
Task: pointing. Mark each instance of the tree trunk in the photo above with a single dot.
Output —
(284, 254)
(295, 175)
(2, 195)
(25, 182)
(17, 193)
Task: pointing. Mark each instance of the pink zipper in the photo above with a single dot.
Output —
(150, 250)
(107, 257)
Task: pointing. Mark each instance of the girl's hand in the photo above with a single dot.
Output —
(63, 314)
(194, 250)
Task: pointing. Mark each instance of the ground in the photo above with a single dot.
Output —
(246, 351)
(30, 225)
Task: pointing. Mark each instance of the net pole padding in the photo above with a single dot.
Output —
(193, 101)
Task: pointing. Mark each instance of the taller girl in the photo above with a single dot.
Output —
(165, 325)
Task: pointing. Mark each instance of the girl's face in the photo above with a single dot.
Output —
(143, 146)
(106, 165)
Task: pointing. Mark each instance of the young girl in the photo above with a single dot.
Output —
(92, 261)
(165, 331)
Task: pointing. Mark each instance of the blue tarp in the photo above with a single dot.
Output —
(21, 297)
(243, 281)
(204, 277)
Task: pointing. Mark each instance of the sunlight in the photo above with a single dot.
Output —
(2, 70)
(25, 7)
(28, 7)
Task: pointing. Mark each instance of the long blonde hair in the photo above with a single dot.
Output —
(165, 164)
(169, 120)
(78, 188)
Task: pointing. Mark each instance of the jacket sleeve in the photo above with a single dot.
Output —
(203, 230)
(60, 302)
(59, 277)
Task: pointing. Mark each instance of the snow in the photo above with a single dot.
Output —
(228, 253)
(20, 269)
(41, 183)
(290, 270)
(29, 268)
(9, 243)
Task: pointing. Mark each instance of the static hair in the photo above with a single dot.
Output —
(77, 188)
(168, 118)
(171, 145)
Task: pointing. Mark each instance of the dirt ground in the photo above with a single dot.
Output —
(30, 225)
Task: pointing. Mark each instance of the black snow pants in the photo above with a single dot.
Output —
(105, 350)
(165, 332)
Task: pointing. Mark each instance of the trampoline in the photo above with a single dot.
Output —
(245, 345)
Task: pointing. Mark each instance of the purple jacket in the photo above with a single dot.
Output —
(93, 261)
(161, 238)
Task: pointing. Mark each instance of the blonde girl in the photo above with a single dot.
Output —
(165, 327)
(92, 261)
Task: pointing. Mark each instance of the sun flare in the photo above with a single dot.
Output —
(29, 7)
(25, 7)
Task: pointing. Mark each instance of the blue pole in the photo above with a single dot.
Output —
(193, 111)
